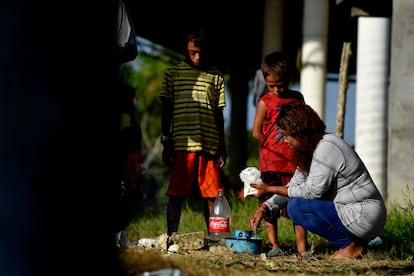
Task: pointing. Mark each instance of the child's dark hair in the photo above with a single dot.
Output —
(199, 36)
(277, 63)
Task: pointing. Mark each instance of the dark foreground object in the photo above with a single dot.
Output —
(58, 137)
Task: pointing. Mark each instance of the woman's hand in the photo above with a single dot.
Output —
(256, 218)
(261, 189)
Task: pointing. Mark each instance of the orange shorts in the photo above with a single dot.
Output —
(192, 167)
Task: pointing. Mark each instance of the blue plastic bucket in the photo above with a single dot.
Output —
(251, 245)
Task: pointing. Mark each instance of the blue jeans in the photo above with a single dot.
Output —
(320, 217)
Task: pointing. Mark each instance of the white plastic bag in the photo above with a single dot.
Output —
(250, 175)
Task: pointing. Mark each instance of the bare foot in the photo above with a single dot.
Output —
(352, 251)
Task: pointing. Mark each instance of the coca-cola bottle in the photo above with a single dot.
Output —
(220, 217)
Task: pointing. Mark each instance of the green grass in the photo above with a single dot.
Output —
(397, 236)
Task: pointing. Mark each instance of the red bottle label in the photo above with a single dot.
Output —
(219, 224)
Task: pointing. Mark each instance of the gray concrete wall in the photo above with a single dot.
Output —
(401, 105)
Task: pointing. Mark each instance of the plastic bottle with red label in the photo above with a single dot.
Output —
(220, 217)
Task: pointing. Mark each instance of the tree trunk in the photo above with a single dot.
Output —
(342, 87)
(237, 146)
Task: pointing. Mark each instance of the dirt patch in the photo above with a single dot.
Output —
(220, 260)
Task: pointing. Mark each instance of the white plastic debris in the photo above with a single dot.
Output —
(174, 248)
(250, 175)
(147, 243)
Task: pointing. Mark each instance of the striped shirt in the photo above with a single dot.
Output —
(197, 96)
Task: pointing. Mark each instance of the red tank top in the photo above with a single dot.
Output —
(275, 154)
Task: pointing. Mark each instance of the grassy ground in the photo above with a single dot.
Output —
(393, 257)
(226, 263)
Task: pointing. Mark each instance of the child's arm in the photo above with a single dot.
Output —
(261, 111)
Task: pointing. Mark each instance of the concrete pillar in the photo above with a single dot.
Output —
(401, 105)
(371, 96)
(273, 23)
(314, 52)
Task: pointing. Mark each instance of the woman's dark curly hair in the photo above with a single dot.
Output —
(300, 121)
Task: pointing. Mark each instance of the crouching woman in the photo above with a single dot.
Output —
(331, 192)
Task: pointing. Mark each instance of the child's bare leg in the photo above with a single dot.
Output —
(301, 236)
(271, 229)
